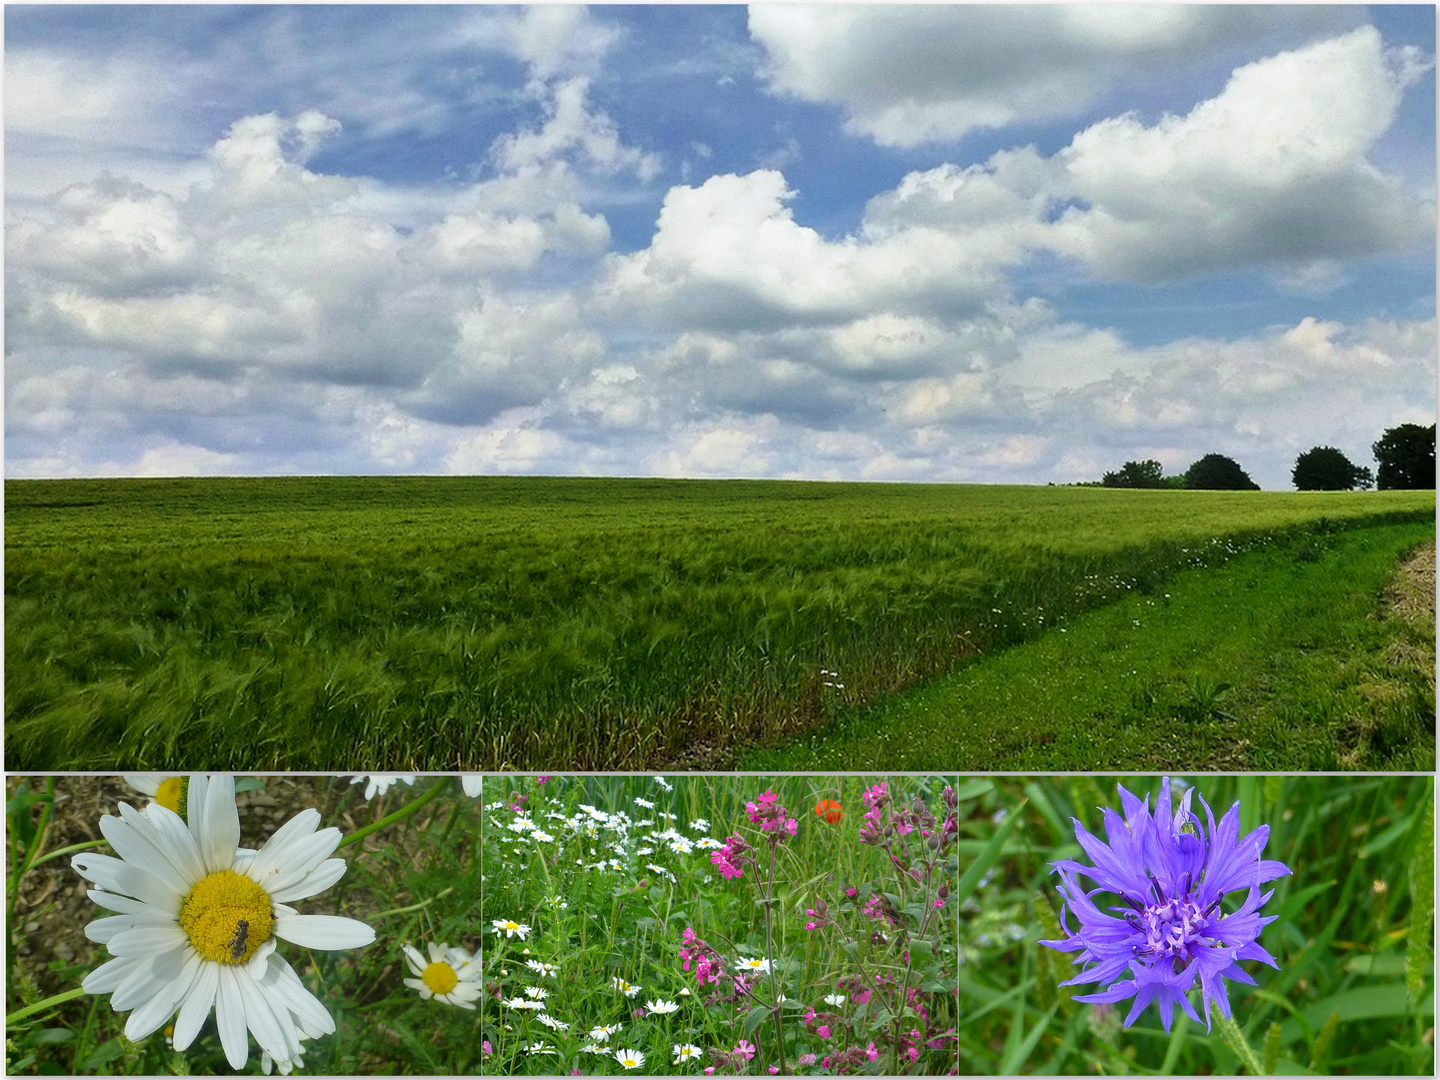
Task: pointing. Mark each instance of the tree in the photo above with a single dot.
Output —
(1324, 468)
(1216, 472)
(1407, 458)
(1136, 474)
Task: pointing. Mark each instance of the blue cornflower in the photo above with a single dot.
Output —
(1171, 874)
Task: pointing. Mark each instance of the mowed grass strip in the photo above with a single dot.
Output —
(363, 623)
(1307, 655)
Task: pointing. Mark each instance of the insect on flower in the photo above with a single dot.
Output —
(237, 943)
(829, 810)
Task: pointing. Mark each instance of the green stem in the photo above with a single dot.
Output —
(1235, 1039)
(40, 1006)
(71, 850)
(770, 956)
(399, 815)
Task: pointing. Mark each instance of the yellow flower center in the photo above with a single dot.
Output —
(440, 977)
(169, 793)
(227, 917)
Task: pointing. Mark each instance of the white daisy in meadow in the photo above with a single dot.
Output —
(700, 824)
(681, 846)
(752, 963)
(470, 783)
(199, 920)
(542, 837)
(539, 1048)
(379, 783)
(630, 1059)
(708, 843)
(664, 783)
(660, 870)
(628, 989)
(536, 993)
(660, 1008)
(594, 1048)
(510, 928)
(163, 788)
(601, 1034)
(646, 803)
(524, 1003)
(550, 1022)
(451, 975)
(542, 968)
(686, 1053)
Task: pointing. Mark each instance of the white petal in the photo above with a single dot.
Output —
(413, 958)
(317, 881)
(137, 842)
(274, 1033)
(109, 975)
(180, 844)
(275, 851)
(148, 940)
(125, 905)
(214, 822)
(230, 1018)
(288, 865)
(323, 931)
(197, 1004)
(287, 988)
(147, 783)
(175, 980)
(117, 876)
(102, 930)
(470, 784)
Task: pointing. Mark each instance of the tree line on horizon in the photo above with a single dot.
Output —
(1405, 456)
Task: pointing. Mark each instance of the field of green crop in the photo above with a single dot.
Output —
(483, 623)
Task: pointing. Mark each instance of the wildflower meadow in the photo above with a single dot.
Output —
(730, 925)
(192, 925)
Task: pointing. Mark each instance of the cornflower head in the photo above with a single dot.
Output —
(1172, 874)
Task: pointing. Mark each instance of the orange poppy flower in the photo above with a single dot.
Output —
(830, 810)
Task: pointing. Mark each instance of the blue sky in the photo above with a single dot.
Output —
(932, 243)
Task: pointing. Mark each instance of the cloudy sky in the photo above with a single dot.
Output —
(978, 244)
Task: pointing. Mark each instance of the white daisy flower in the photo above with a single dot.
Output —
(700, 825)
(630, 1059)
(379, 783)
(660, 1008)
(470, 783)
(451, 975)
(524, 1003)
(686, 1052)
(753, 963)
(707, 843)
(550, 1022)
(539, 1048)
(681, 846)
(835, 1000)
(199, 920)
(628, 989)
(644, 802)
(542, 837)
(510, 928)
(600, 1034)
(537, 993)
(593, 1048)
(660, 870)
(542, 968)
(664, 783)
(163, 788)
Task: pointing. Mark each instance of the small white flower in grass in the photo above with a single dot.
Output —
(199, 920)
(539, 1048)
(700, 825)
(644, 802)
(752, 963)
(451, 974)
(542, 837)
(660, 1008)
(664, 783)
(510, 928)
(660, 870)
(542, 968)
(550, 1022)
(593, 1048)
(835, 999)
(600, 1034)
(537, 993)
(708, 843)
(686, 1053)
(682, 846)
(524, 1003)
(163, 788)
(630, 1059)
(379, 783)
(470, 783)
(628, 989)
(684, 991)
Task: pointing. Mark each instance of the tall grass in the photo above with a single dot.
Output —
(498, 623)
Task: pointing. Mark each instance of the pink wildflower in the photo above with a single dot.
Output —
(745, 1049)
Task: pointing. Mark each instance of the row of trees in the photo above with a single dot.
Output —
(1405, 454)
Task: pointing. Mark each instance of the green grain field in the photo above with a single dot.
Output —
(512, 623)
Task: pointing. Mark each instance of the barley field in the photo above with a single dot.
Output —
(510, 623)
